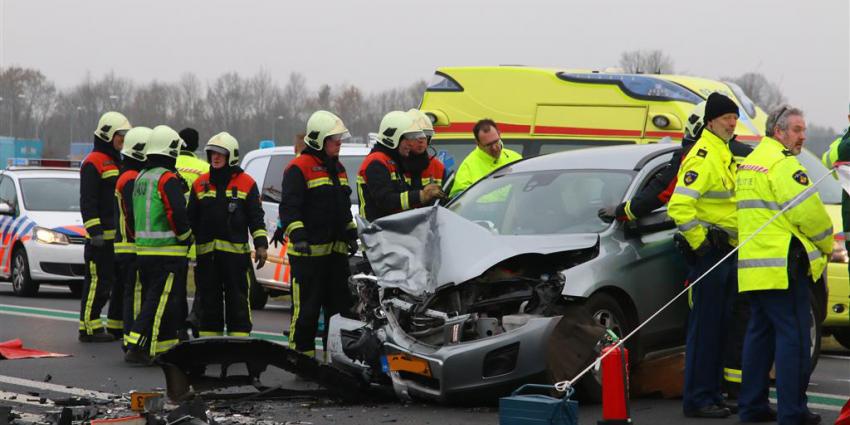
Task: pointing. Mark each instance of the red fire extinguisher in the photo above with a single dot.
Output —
(615, 386)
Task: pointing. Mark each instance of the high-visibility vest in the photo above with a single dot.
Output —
(190, 167)
(705, 191)
(153, 232)
(770, 179)
(478, 164)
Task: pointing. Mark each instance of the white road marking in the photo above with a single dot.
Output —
(46, 386)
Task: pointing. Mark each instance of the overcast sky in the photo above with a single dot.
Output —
(802, 45)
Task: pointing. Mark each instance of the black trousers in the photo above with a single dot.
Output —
(317, 282)
(163, 279)
(99, 280)
(224, 280)
(127, 278)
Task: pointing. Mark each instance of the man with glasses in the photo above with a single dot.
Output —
(777, 267)
(98, 175)
(488, 155)
(704, 208)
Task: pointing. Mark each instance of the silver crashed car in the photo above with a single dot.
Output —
(476, 298)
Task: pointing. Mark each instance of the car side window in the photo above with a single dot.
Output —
(270, 192)
(8, 193)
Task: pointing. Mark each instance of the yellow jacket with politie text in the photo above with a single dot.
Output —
(705, 191)
(772, 179)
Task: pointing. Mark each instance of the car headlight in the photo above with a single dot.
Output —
(43, 235)
(839, 251)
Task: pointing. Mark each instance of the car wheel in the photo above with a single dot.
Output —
(842, 335)
(22, 283)
(606, 311)
(76, 289)
(815, 332)
(259, 297)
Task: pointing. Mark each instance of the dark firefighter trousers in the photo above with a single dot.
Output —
(97, 284)
(127, 278)
(224, 280)
(163, 280)
(317, 282)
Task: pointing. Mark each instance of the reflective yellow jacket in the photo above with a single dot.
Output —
(191, 167)
(705, 191)
(478, 164)
(769, 180)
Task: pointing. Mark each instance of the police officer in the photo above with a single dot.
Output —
(127, 284)
(163, 236)
(381, 181)
(98, 174)
(315, 216)
(420, 168)
(224, 208)
(777, 267)
(703, 207)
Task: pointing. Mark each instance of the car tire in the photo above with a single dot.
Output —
(22, 283)
(842, 335)
(606, 311)
(259, 297)
(76, 289)
(815, 332)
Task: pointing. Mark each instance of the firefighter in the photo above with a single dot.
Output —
(98, 174)
(163, 236)
(703, 207)
(315, 216)
(224, 208)
(777, 267)
(126, 274)
(420, 168)
(381, 181)
(190, 168)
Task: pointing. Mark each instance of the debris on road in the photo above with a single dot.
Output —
(14, 349)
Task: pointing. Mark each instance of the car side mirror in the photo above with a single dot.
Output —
(6, 208)
(657, 221)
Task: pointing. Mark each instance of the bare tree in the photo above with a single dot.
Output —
(762, 92)
(646, 62)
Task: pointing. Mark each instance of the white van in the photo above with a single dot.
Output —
(266, 167)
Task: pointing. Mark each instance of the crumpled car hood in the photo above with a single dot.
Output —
(421, 250)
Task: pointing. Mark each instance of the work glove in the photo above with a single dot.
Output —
(277, 237)
(352, 247)
(607, 214)
(97, 241)
(302, 247)
(431, 192)
(260, 255)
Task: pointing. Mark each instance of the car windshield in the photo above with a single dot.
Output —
(51, 194)
(543, 202)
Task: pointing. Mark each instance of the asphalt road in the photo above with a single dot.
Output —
(49, 323)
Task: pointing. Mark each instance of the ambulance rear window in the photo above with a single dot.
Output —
(637, 86)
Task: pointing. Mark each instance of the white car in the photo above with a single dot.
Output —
(266, 167)
(41, 230)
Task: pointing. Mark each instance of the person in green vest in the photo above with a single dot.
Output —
(163, 237)
(776, 268)
(190, 167)
(489, 154)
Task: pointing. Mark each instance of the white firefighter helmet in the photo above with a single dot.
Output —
(135, 143)
(110, 123)
(321, 125)
(224, 144)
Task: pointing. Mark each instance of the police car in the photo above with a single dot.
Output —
(266, 167)
(41, 230)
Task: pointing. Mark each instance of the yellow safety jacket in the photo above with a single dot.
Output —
(705, 191)
(770, 179)
(191, 167)
(478, 164)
